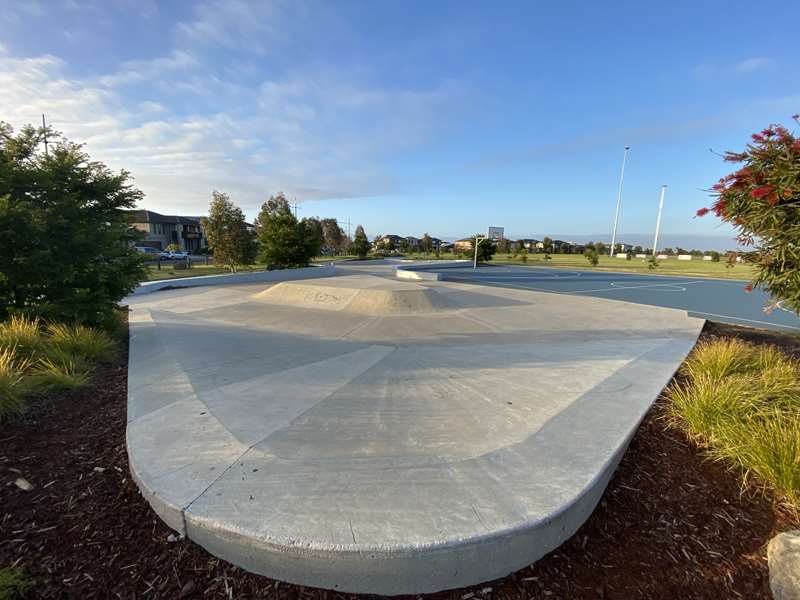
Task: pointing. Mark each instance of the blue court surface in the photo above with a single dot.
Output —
(721, 300)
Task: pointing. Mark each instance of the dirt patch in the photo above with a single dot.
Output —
(670, 524)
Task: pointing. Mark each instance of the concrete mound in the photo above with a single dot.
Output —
(362, 294)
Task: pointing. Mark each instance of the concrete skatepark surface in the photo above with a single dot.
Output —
(722, 300)
(367, 434)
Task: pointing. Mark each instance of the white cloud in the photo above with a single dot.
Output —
(239, 24)
(319, 134)
(136, 71)
(743, 67)
(753, 64)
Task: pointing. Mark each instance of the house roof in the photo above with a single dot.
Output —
(149, 216)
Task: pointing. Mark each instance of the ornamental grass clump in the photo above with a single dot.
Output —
(12, 385)
(38, 358)
(741, 403)
(81, 341)
(24, 335)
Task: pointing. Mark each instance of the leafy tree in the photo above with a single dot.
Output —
(405, 246)
(714, 256)
(600, 247)
(388, 244)
(229, 237)
(761, 200)
(285, 243)
(426, 243)
(360, 243)
(66, 244)
(486, 249)
(638, 250)
(503, 246)
(333, 238)
(547, 245)
(591, 255)
(313, 234)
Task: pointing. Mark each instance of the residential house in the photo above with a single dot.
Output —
(162, 230)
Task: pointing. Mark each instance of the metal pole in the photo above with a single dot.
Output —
(619, 200)
(44, 128)
(658, 220)
(478, 240)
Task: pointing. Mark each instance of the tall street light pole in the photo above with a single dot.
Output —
(658, 221)
(619, 200)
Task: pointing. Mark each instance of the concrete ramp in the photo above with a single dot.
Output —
(364, 434)
(362, 294)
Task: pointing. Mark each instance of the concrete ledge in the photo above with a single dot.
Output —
(428, 270)
(251, 277)
(417, 275)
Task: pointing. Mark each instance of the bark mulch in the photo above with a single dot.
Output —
(670, 525)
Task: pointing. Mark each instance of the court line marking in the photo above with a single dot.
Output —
(696, 312)
(647, 286)
(688, 312)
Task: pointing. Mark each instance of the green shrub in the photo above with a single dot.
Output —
(81, 341)
(66, 248)
(741, 403)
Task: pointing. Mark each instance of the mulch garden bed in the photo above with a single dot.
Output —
(670, 525)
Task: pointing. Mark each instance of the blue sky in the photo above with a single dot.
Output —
(407, 117)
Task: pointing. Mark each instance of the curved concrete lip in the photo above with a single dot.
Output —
(379, 436)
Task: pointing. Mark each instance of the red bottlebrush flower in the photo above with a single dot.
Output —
(719, 207)
(757, 137)
(772, 199)
(748, 287)
(796, 146)
(768, 132)
(762, 191)
(703, 212)
(787, 193)
(783, 133)
(719, 187)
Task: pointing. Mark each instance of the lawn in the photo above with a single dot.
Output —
(670, 266)
(168, 270)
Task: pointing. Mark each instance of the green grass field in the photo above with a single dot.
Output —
(168, 271)
(670, 266)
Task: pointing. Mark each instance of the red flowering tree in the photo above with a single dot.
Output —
(762, 201)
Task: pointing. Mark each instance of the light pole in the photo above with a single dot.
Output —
(619, 200)
(658, 220)
(478, 240)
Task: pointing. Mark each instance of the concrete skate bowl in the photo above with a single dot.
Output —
(370, 435)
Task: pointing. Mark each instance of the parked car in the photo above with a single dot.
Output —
(149, 250)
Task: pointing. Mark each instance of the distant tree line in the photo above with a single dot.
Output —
(277, 238)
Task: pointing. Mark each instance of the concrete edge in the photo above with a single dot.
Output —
(149, 287)
(428, 270)
(402, 273)
(416, 569)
